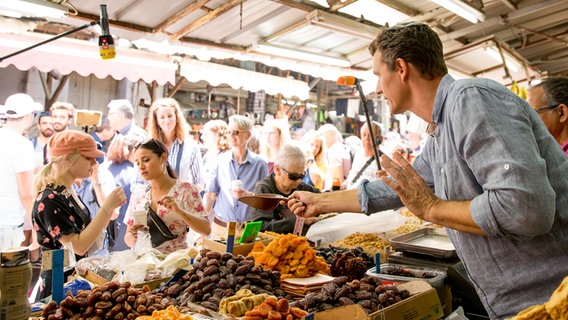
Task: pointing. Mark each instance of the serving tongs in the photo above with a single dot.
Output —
(269, 201)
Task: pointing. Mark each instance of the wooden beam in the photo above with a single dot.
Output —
(338, 5)
(397, 5)
(180, 15)
(114, 23)
(176, 88)
(510, 4)
(206, 18)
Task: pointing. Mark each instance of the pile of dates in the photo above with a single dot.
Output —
(218, 275)
(403, 272)
(109, 301)
(328, 253)
(368, 292)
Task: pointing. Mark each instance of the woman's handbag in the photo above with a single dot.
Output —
(159, 231)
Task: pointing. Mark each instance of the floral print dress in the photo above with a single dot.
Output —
(55, 214)
(187, 198)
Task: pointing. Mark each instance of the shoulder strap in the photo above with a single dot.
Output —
(362, 169)
(178, 160)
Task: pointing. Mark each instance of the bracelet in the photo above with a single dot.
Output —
(97, 183)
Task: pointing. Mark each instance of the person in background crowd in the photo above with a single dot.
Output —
(120, 167)
(337, 157)
(60, 218)
(176, 202)
(313, 175)
(255, 141)
(93, 192)
(275, 133)
(289, 169)
(316, 155)
(121, 118)
(549, 98)
(45, 131)
(238, 165)
(61, 115)
(17, 171)
(364, 164)
(298, 134)
(167, 124)
(215, 141)
(505, 207)
(103, 134)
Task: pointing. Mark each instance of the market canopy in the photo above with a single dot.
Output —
(216, 74)
(68, 55)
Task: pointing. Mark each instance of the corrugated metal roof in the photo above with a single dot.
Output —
(536, 30)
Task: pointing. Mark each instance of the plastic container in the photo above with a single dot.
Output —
(435, 277)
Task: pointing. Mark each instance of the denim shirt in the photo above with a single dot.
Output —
(490, 147)
(253, 169)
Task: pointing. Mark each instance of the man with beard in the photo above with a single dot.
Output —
(61, 115)
(45, 130)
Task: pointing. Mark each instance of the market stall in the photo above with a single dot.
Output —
(281, 277)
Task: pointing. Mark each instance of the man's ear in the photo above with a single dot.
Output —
(563, 112)
(401, 67)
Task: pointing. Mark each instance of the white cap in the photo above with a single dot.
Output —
(19, 105)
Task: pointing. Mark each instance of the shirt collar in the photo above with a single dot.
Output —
(441, 95)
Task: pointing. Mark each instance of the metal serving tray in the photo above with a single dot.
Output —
(430, 241)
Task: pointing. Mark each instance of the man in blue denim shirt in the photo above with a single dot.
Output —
(490, 173)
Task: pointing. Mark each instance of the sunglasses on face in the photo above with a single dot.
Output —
(539, 110)
(236, 132)
(294, 176)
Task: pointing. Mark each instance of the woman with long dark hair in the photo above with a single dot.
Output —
(175, 203)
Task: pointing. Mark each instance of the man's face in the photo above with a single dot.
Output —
(282, 177)
(237, 137)
(114, 117)
(389, 85)
(45, 127)
(60, 120)
(549, 116)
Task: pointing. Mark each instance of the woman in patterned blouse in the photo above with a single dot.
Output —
(60, 218)
(176, 202)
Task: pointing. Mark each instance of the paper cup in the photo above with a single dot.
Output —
(236, 184)
(140, 217)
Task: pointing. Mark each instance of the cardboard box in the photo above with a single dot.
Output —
(423, 303)
(243, 249)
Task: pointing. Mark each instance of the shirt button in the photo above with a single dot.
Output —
(442, 171)
(507, 167)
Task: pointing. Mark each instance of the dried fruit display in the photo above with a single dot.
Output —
(219, 275)
(328, 253)
(243, 301)
(367, 292)
(349, 265)
(109, 301)
(291, 255)
(271, 309)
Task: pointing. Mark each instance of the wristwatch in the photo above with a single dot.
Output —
(310, 161)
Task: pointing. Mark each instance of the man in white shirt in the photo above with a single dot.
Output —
(16, 169)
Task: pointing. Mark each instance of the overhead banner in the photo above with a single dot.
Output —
(68, 55)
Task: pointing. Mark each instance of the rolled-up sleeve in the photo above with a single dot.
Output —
(496, 141)
(376, 196)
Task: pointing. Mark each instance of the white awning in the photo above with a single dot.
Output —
(68, 55)
(215, 74)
